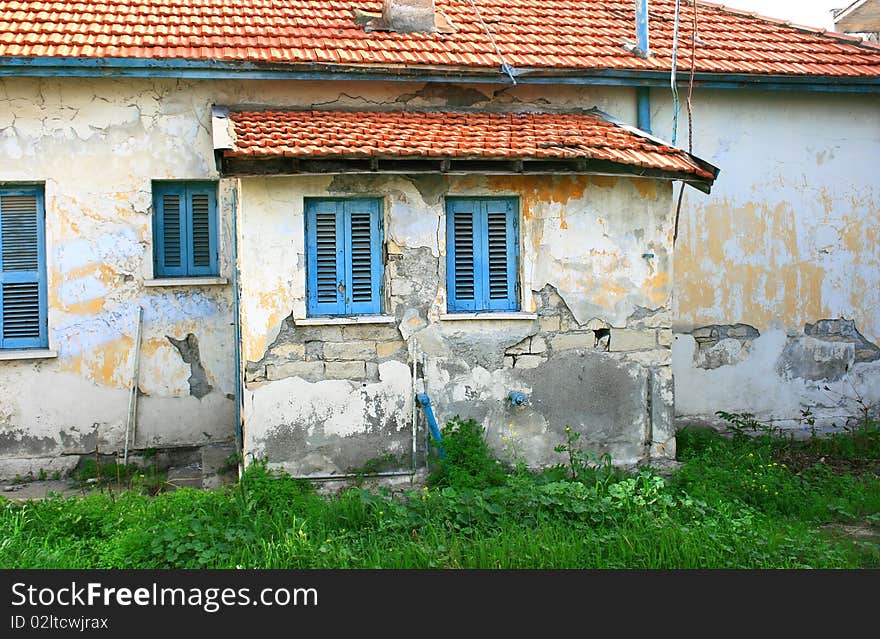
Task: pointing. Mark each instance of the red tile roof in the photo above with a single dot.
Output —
(559, 34)
(455, 135)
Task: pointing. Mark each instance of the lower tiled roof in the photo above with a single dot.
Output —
(453, 135)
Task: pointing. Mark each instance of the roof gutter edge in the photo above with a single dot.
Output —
(231, 69)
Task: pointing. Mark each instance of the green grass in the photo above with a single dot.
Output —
(735, 504)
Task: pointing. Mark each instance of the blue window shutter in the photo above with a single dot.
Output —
(500, 248)
(463, 255)
(363, 243)
(482, 248)
(185, 229)
(202, 230)
(22, 269)
(170, 230)
(344, 257)
(325, 268)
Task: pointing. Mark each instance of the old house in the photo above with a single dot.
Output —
(292, 218)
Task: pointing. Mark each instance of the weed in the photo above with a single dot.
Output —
(734, 504)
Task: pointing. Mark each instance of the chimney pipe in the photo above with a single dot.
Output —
(642, 28)
(409, 16)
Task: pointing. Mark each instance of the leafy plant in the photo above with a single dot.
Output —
(468, 462)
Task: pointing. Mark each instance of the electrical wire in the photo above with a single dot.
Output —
(690, 117)
(506, 68)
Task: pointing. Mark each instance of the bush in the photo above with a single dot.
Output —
(468, 462)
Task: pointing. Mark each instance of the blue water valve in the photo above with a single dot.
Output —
(516, 398)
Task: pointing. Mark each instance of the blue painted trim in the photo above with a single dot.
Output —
(480, 207)
(343, 208)
(227, 70)
(28, 277)
(642, 40)
(643, 108)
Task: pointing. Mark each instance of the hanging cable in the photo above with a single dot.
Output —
(506, 68)
(673, 81)
(690, 116)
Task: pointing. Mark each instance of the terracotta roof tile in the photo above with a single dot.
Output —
(571, 34)
(442, 135)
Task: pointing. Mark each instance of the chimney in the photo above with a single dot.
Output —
(409, 16)
(642, 28)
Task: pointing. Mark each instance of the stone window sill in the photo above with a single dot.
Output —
(519, 316)
(27, 353)
(187, 281)
(345, 321)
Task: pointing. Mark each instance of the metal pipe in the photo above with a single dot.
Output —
(642, 28)
(425, 403)
(643, 108)
(387, 473)
(236, 312)
(131, 421)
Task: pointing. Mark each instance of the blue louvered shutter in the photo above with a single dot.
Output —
(363, 257)
(463, 255)
(500, 252)
(201, 201)
(185, 229)
(325, 269)
(344, 248)
(482, 252)
(22, 269)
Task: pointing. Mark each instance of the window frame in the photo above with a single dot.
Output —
(482, 303)
(42, 341)
(341, 308)
(185, 189)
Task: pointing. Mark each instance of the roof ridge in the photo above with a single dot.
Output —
(833, 35)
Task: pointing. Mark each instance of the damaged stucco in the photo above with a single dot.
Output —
(785, 253)
(591, 347)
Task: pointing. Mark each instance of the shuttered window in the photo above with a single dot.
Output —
(185, 229)
(482, 240)
(344, 248)
(22, 269)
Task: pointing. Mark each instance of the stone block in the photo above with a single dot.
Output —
(346, 370)
(629, 339)
(519, 349)
(538, 345)
(401, 286)
(310, 371)
(289, 350)
(549, 323)
(508, 361)
(389, 349)
(528, 361)
(350, 350)
(664, 337)
(568, 341)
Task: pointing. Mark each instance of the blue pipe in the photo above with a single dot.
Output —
(425, 402)
(643, 108)
(642, 27)
(516, 398)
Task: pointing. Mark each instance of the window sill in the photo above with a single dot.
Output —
(27, 353)
(187, 281)
(345, 321)
(516, 316)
